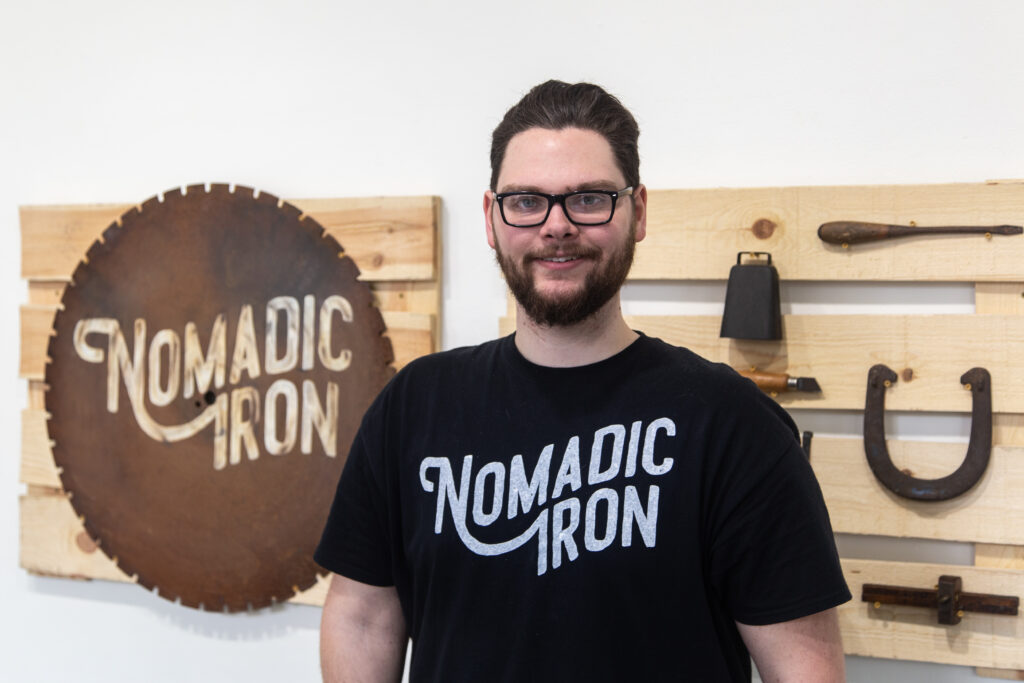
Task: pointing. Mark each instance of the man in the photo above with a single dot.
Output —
(576, 502)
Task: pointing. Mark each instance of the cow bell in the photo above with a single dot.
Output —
(752, 307)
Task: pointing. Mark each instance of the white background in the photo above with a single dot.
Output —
(114, 101)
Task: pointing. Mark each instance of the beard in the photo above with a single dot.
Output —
(599, 286)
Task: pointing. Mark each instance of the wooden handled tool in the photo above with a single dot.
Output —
(855, 232)
(778, 382)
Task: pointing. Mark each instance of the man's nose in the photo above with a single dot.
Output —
(558, 225)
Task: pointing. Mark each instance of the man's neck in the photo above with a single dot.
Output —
(600, 336)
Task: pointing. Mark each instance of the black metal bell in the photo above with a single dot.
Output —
(752, 307)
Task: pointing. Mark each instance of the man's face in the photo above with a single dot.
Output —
(561, 273)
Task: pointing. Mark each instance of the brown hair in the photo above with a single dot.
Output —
(555, 105)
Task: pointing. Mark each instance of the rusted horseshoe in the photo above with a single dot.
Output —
(979, 448)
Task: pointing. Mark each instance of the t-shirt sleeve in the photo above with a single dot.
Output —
(773, 557)
(355, 542)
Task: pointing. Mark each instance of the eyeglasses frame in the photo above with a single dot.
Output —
(559, 199)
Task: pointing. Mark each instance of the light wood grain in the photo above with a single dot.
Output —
(695, 234)
(1002, 298)
(913, 633)
(54, 542)
(37, 465)
(36, 326)
(992, 511)
(838, 351)
(390, 238)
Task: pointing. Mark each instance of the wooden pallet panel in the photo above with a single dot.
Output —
(894, 632)
(695, 234)
(395, 243)
(990, 512)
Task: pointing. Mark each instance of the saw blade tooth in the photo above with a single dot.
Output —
(219, 189)
(290, 210)
(243, 191)
(331, 240)
(172, 195)
(197, 188)
(265, 198)
(150, 203)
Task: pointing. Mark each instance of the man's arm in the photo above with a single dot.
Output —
(362, 633)
(806, 649)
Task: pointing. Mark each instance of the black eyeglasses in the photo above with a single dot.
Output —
(583, 207)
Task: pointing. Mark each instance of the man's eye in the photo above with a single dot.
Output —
(590, 200)
(525, 202)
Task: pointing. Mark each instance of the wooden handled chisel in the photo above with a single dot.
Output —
(778, 382)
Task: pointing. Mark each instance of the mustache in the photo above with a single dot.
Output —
(573, 252)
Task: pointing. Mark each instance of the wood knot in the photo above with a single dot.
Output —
(763, 228)
(907, 374)
(378, 260)
(85, 543)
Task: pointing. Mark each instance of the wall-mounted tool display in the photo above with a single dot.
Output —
(752, 305)
(948, 598)
(775, 383)
(846, 233)
(979, 382)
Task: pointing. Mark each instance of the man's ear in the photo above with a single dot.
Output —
(640, 211)
(488, 206)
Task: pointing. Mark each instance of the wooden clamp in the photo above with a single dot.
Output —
(947, 597)
(978, 381)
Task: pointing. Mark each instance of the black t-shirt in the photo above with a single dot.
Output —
(609, 522)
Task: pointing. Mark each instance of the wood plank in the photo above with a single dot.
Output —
(695, 234)
(390, 238)
(1004, 298)
(36, 395)
(913, 633)
(36, 326)
(54, 543)
(45, 292)
(838, 350)
(37, 466)
(412, 335)
(999, 298)
(990, 512)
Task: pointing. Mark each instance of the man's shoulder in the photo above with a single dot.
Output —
(715, 384)
(671, 358)
(460, 357)
(456, 365)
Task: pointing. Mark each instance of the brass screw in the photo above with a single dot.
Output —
(887, 384)
(878, 605)
(959, 614)
(846, 245)
(967, 386)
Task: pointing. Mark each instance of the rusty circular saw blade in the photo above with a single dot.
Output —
(198, 506)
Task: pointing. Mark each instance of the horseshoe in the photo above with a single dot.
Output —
(979, 448)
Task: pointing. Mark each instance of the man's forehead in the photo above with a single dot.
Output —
(559, 160)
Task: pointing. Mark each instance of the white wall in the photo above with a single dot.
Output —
(116, 100)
